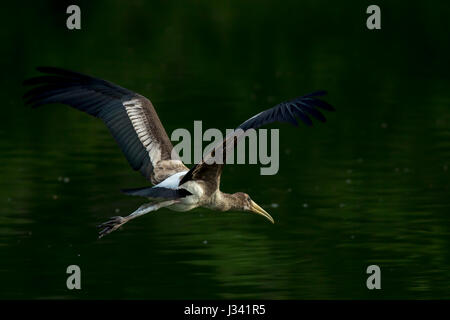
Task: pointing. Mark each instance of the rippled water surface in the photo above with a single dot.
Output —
(370, 186)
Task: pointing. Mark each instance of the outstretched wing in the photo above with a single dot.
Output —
(130, 117)
(301, 107)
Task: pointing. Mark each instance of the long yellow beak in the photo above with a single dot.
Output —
(257, 209)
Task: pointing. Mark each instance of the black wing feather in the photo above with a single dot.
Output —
(285, 111)
(98, 98)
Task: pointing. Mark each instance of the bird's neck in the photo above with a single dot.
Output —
(223, 201)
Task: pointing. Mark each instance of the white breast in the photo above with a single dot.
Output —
(194, 188)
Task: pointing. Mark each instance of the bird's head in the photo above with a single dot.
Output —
(244, 203)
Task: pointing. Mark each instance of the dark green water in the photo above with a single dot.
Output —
(371, 186)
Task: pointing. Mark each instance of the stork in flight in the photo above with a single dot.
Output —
(133, 122)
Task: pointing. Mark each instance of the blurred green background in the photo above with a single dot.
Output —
(371, 186)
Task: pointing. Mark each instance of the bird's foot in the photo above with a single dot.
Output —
(111, 225)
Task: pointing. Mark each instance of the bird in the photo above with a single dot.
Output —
(134, 124)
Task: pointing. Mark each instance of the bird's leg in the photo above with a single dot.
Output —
(115, 223)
